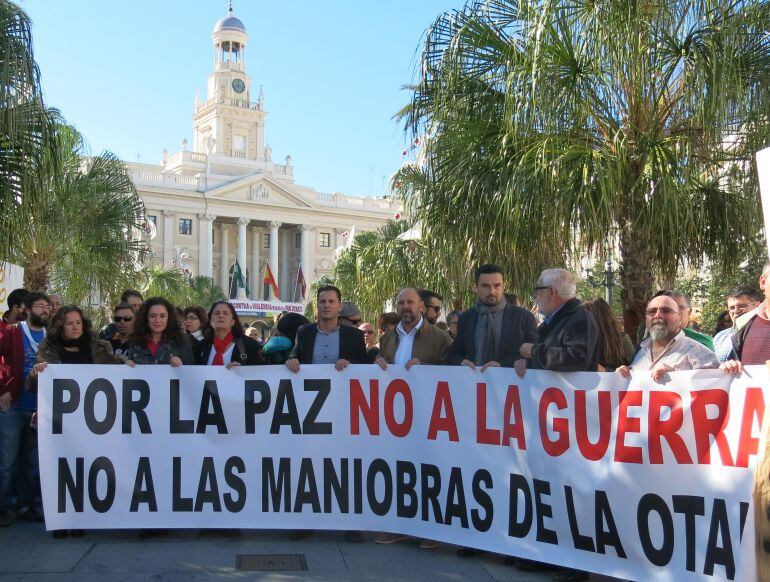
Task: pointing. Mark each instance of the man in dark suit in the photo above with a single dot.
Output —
(490, 333)
(328, 342)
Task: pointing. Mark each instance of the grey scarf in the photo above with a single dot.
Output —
(489, 332)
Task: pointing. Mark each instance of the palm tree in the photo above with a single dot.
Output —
(551, 128)
(24, 122)
(79, 220)
(380, 263)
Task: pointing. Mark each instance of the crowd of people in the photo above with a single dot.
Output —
(561, 333)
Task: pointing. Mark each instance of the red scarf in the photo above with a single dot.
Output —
(153, 347)
(221, 345)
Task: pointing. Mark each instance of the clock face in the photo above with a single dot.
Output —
(239, 86)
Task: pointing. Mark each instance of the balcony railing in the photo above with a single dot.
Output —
(253, 105)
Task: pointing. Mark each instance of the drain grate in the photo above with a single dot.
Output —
(270, 562)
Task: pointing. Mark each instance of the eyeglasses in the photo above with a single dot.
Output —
(353, 321)
(738, 306)
(652, 311)
(191, 317)
(436, 307)
(540, 289)
(123, 319)
(43, 306)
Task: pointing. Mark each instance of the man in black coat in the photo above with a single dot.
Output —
(566, 342)
(491, 333)
(328, 342)
(567, 338)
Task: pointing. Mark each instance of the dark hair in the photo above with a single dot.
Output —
(452, 314)
(724, 320)
(328, 288)
(121, 307)
(16, 297)
(389, 318)
(30, 298)
(674, 294)
(426, 294)
(142, 333)
(487, 269)
(55, 332)
(512, 298)
(738, 291)
(237, 329)
(130, 293)
(198, 310)
(612, 353)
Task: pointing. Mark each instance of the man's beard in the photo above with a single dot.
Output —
(37, 320)
(660, 331)
(407, 317)
(492, 301)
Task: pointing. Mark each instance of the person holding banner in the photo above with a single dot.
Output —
(567, 338)
(668, 348)
(157, 337)
(415, 340)
(70, 340)
(224, 343)
(328, 342)
(490, 333)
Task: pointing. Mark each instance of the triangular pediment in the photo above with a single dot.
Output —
(259, 189)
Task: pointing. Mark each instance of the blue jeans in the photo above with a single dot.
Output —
(18, 458)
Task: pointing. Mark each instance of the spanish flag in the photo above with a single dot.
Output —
(270, 280)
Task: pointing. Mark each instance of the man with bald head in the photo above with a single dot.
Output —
(414, 341)
(668, 348)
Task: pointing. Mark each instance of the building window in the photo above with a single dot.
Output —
(298, 240)
(266, 240)
(153, 218)
(325, 239)
(185, 226)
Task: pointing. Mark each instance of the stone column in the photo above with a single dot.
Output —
(206, 245)
(242, 222)
(274, 226)
(224, 260)
(256, 279)
(305, 250)
(168, 239)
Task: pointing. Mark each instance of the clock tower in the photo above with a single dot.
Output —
(228, 123)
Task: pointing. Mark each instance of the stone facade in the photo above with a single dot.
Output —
(226, 199)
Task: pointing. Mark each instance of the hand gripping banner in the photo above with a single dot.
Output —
(627, 478)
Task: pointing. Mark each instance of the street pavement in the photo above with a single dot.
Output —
(31, 554)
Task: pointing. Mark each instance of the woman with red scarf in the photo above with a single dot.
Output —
(224, 343)
(157, 337)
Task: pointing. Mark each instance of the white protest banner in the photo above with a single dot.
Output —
(763, 170)
(635, 480)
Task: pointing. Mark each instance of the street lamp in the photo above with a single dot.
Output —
(608, 281)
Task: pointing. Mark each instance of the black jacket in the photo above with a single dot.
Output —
(519, 327)
(202, 351)
(568, 342)
(352, 344)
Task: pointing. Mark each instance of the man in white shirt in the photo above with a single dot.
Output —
(668, 349)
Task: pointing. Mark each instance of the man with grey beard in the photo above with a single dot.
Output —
(668, 349)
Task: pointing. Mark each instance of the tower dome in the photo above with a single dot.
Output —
(229, 22)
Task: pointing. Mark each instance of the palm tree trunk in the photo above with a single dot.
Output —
(636, 276)
(37, 275)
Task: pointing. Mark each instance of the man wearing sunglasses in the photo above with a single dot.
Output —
(739, 301)
(123, 319)
(668, 348)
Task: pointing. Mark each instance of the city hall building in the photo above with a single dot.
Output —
(223, 198)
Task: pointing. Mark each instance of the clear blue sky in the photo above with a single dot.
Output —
(125, 74)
